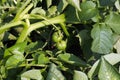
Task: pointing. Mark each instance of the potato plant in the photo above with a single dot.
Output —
(59, 39)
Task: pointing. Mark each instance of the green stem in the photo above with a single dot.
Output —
(28, 65)
(26, 31)
(23, 34)
(20, 14)
(64, 29)
(56, 20)
(34, 16)
(12, 24)
(21, 9)
(26, 10)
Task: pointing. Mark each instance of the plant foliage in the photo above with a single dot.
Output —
(59, 39)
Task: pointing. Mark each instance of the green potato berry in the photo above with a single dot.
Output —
(56, 37)
(61, 45)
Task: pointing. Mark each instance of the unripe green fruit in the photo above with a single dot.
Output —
(56, 37)
(61, 45)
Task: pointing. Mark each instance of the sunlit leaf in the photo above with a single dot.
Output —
(40, 0)
(14, 60)
(3, 1)
(113, 21)
(35, 2)
(117, 46)
(49, 2)
(117, 5)
(16, 49)
(38, 11)
(94, 70)
(78, 75)
(112, 58)
(52, 10)
(88, 10)
(42, 59)
(75, 3)
(54, 73)
(107, 71)
(3, 71)
(32, 74)
(102, 39)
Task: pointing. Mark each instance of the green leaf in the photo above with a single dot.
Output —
(42, 59)
(35, 2)
(116, 37)
(6, 36)
(62, 5)
(107, 2)
(85, 43)
(1, 36)
(14, 60)
(38, 10)
(16, 49)
(48, 2)
(75, 3)
(3, 1)
(96, 18)
(1, 53)
(94, 70)
(88, 10)
(3, 71)
(112, 58)
(32, 74)
(1, 39)
(54, 73)
(40, 0)
(71, 59)
(71, 18)
(102, 39)
(113, 21)
(107, 71)
(33, 46)
(117, 5)
(117, 46)
(78, 75)
(52, 10)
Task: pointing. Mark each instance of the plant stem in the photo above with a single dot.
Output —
(56, 20)
(27, 30)
(26, 10)
(20, 15)
(28, 65)
(9, 25)
(35, 16)
(64, 29)
(23, 34)
(21, 9)
(24, 5)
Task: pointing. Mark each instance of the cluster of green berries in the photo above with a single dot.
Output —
(57, 37)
